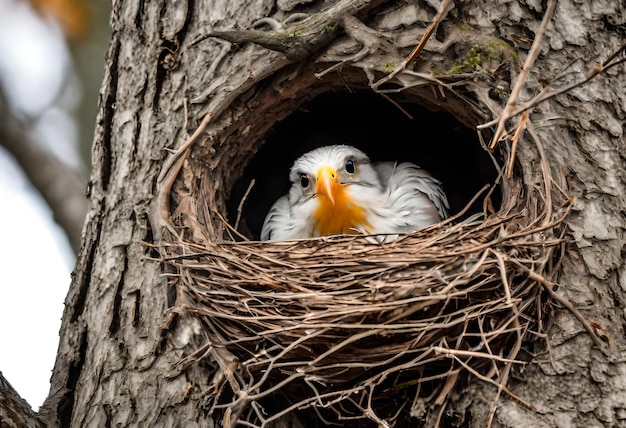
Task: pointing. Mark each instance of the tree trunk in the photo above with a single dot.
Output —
(125, 333)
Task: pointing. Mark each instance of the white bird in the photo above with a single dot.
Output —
(337, 190)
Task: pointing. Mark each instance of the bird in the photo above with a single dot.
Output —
(337, 190)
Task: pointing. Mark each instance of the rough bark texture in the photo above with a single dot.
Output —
(117, 361)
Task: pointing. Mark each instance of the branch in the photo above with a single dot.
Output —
(548, 92)
(14, 410)
(55, 182)
(528, 64)
(550, 286)
(444, 7)
(300, 39)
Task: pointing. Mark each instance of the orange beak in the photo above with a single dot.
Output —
(326, 182)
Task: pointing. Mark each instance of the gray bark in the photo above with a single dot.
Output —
(118, 358)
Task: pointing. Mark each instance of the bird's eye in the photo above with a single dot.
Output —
(304, 181)
(350, 166)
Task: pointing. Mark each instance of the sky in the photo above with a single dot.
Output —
(35, 257)
(36, 262)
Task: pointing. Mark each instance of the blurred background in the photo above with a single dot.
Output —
(52, 57)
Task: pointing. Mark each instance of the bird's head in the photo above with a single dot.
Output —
(331, 177)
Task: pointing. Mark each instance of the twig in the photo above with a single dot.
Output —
(514, 143)
(528, 64)
(168, 174)
(549, 286)
(545, 169)
(491, 381)
(504, 377)
(230, 229)
(546, 93)
(503, 275)
(476, 354)
(444, 8)
(243, 200)
(397, 105)
(451, 379)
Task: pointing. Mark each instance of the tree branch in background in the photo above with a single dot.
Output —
(57, 183)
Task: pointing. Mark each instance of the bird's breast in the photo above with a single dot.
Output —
(343, 216)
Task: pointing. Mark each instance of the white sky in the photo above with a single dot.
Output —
(32, 74)
(36, 261)
(35, 258)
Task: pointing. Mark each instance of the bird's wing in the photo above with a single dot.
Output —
(414, 193)
(289, 218)
(277, 220)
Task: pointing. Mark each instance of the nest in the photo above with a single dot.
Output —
(355, 330)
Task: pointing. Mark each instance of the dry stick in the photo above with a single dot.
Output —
(608, 62)
(504, 378)
(397, 105)
(169, 173)
(169, 164)
(501, 386)
(528, 64)
(467, 206)
(485, 341)
(228, 227)
(505, 281)
(451, 379)
(546, 172)
(505, 372)
(337, 396)
(369, 411)
(545, 94)
(549, 287)
(243, 200)
(491, 381)
(269, 368)
(514, 142)
(444, 8)
(512, 236)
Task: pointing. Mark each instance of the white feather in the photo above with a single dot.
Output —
(396, 197)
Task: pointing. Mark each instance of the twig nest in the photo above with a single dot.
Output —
(360, 330)
(342, 326)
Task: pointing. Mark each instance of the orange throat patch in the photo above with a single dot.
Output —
(341, 217)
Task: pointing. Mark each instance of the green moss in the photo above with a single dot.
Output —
(331, 27)
(500, 92)
(488, 56)
(389, 67)
(505, 50)
(475, 57)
